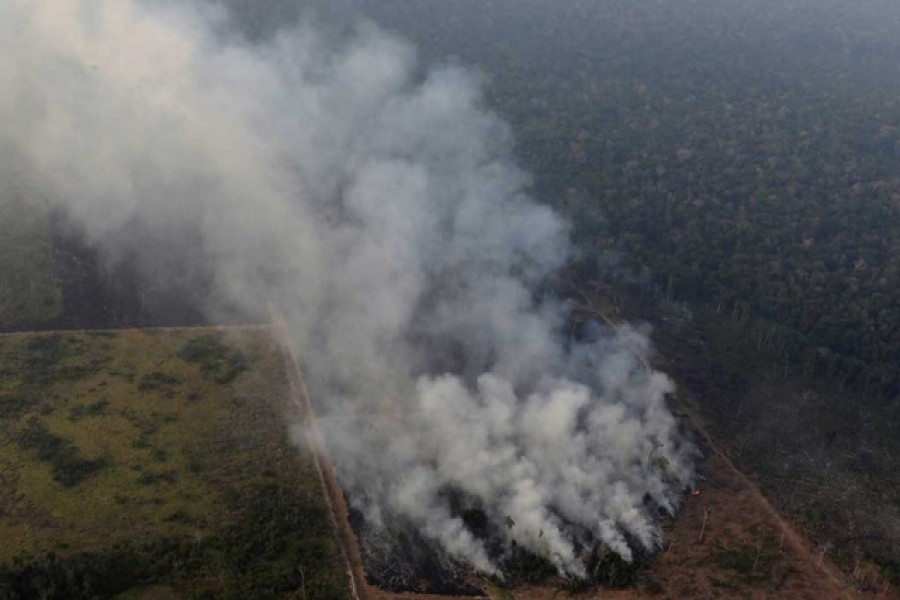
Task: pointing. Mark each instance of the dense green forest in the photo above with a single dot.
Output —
(741, 156)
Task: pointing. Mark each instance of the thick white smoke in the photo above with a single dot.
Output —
(381, 209)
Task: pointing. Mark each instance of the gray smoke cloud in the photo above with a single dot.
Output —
(380, 207)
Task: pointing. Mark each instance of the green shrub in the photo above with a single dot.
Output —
(215, 358)
(69, 469)
(95, 409)
(15, 405)
(156, 381)
(44, 352)
(207, 351)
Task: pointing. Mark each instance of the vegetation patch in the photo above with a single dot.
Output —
(43, 355)
(85, 575)
(889, 566)
(750, 563)
(215, 358)
(95, 409)
(15, 404)
(58, 358)
(156, 381)
(69, 468)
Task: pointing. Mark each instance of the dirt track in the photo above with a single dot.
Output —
(334, 496)
(799, 542)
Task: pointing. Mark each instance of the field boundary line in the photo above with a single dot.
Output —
(331, 489)
(50, 332)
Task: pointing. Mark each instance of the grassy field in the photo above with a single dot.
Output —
(153, 465)
(28, 293)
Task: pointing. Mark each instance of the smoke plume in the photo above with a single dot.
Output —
(379, 205)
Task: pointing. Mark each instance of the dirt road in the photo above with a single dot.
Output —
(334, 496)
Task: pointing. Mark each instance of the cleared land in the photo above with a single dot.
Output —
(155, 464)
(745, 551)
(729, 542)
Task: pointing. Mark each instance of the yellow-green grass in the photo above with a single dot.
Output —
(166, 451)
(28, 293)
